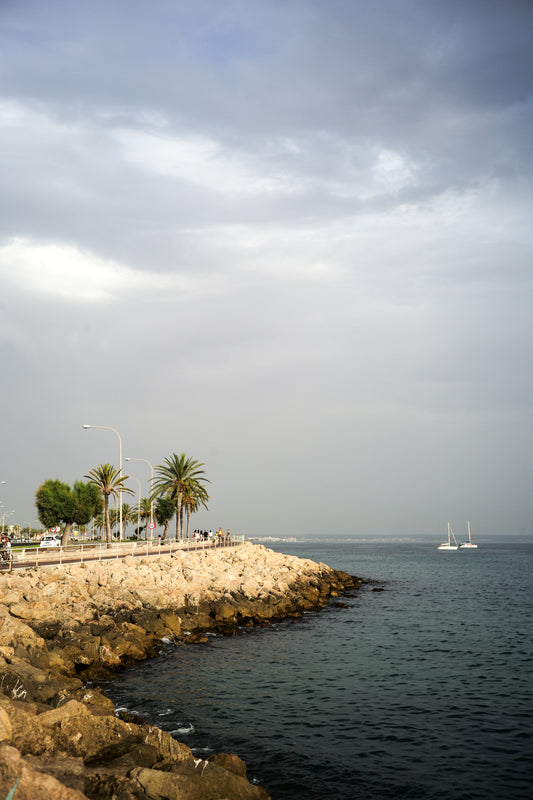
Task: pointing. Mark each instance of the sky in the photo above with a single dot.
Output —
(291, 239)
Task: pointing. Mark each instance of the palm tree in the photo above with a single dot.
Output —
(194, 497)
(136, 520)
(175, 476)
(164, 511)
(146, 513)
(114, 521)
(128, 515)
(99, 524)
(110, 482)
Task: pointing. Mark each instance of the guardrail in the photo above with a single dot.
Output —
(101, 551)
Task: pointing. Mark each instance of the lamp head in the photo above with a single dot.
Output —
(86, 426)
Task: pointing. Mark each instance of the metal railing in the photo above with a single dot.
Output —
(101, 551)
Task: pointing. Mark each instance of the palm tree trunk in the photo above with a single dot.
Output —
(179, 521)
(165, 531)
(107, 522)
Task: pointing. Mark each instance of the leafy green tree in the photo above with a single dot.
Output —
(109, 483)
(89, 502)
(57, 503)
(174, 477)
(164, 510)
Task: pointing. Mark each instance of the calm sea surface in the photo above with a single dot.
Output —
(423, 690)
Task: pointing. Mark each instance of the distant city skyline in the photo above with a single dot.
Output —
(291, 240)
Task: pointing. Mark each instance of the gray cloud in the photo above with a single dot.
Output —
(292, 240)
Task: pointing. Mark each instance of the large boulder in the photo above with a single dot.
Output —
(99, 739)
(195, 779)
(30, 784)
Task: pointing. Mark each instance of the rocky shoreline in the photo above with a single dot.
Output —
(62, 628)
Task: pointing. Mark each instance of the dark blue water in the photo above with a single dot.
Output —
(423, 690)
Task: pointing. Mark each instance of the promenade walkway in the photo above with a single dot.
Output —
(100, 551)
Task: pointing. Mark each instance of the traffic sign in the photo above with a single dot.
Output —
(151, 525)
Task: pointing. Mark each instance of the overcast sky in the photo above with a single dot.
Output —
(290, 238)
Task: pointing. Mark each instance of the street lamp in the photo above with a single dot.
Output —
(105, 428)
(151, 488)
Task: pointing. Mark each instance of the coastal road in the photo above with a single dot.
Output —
(81, 555)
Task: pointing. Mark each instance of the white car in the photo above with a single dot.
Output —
(50, 541)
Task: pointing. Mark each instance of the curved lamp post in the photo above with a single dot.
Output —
(105, 428)
(151, 487)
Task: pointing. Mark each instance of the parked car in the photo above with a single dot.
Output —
(49, 540)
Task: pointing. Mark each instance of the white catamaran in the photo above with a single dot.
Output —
(469, 544)
(448, 545)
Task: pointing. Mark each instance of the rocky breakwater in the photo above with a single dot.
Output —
(62, 628)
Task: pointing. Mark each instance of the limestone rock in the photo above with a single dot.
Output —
(22, 681)
(168, 749)
(6, 730)
(31, 785)
(37, 611)
(229, 761)
(72, 708)
(98, 739)
(195, 779)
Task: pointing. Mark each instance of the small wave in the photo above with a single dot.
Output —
(183, 730)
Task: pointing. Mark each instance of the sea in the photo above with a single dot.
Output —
(419, 685)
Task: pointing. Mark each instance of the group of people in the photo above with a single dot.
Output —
(197, 534)
(5, 547)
